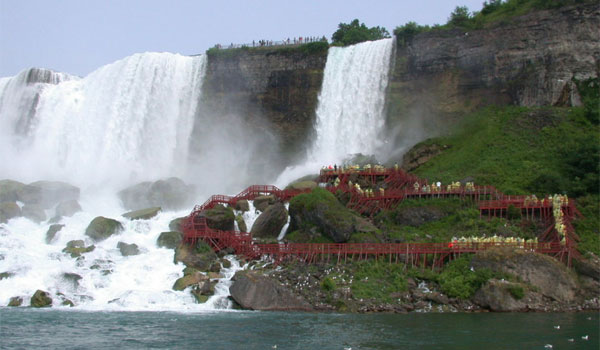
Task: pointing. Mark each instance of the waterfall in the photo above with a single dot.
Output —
(127, 121)
(350, 112)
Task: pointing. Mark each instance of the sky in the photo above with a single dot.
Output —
(79, 36)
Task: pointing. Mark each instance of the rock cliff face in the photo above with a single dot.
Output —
(270, 89)
(530, 60)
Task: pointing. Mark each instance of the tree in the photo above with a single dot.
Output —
(356, 32)
(460, 16)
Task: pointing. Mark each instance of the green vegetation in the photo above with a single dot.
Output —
(493, 11)
(460, 219)
(378, 280)
(588, 226)
(314, 48)
(516, 291)
(355, 32)
(327, 284)
(521, 150)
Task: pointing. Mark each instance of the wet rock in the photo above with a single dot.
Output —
(262, 202)
(5, 275)
(101, 228)
(420, 154)
(242, 205)
(547, 274)
(437, 298)
(270, 222)
(189, 280)
(77, 247)
(589, 266)
(239, 219)
(67, 208)
(9, 210)
(142, 214)
(50, 193)
(72, 278)
(9, 190)
(220, 218)
(226, 263)
(41, 299)
(33, 212)
(68, 303)
(201, 257)
(254, 291)
(169, 239)
(128, 249)
(170, 194)
(15, 301)
(175, 224)
(496, 295)
(52, 231)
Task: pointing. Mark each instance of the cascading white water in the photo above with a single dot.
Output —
(127, 121)
(350, 113)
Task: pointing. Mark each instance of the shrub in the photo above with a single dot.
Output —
(457, 280)
(513, 213)
(516, 291)
(356, 32)
(328, 284)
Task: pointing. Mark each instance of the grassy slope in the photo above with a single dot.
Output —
(520, 151)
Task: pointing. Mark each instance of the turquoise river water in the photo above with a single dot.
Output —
(25, 328)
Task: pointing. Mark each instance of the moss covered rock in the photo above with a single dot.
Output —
(175, 224)
(270, 222)
(101, 228)
(220, 218)
(6, 274)
(242, 205)
(41, 299)
(15, 301)
(128, 249)
(9, 210)
(50, 193)
(320, 211)
(52, 231)
(262, 202)
(189, 280)
(142, 214)
(239, 219)
(302, 185)
(201, 257)
(169, 239)
(77, 247)
(9, 190)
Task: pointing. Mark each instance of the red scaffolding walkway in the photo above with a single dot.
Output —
(400, 186)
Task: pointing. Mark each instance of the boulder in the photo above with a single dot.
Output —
(239, 219)
(320, 211)
(169, 239)
(170, 194)
(6, 274)
(189, 280)
(52, 231)
(242, 205)
(128, 249)
(142, 214)
(270, 222)
(77, 247)
(220, 218)
(302, 185)
(551, 278)
(201, 257)
(9, 190)
(33, 212)
(101, 228)
(67, 208)
(589, 267)
(175, 224)
(41, 299)
(262, 202)
(9, 210)
(71, 278)
(255, 291)
(15, 301)
(51, 193)
(496, 295)
(420, 154)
